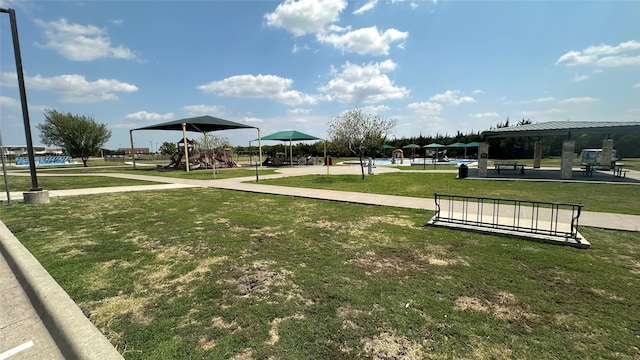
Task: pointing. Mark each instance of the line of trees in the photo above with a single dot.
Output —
(355, 133)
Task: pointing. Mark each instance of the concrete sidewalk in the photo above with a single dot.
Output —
(39, 320)
(602, 220)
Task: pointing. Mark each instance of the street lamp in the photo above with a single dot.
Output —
(35, 194)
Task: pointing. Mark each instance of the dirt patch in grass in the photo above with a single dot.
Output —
(484, 350)
(118, 306)
(388, 345)
(347, 314)
(273, 332)
(504, 305)
(373, 264)
(440, 255)
(259, 280)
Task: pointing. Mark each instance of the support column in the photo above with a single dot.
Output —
(566, 164)
(537, 154)
(607, 153)
(483, 158)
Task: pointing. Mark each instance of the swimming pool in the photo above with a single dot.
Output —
(409, 162)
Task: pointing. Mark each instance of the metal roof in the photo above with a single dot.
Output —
(200, 124)
(562, 128)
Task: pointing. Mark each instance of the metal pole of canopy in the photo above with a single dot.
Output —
(186, 149)
(133, 156)
(259, 147)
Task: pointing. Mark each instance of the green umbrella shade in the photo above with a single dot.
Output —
(458, 144)
(434, 145)
(289, 135)
(411, 146)
(385, 146)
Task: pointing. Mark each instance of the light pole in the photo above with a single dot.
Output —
(36, 194)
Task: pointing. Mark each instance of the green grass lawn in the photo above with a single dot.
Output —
(618, 198)
(206, 273)
(224, 173)
(23, 183)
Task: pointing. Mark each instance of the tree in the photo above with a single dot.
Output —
(359, 133)
(210, 144)
(168, 148)
(79, 135)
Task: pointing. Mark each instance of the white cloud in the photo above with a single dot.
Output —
(74, 88)
(252, 120)
(623, 54)
(195, 110)
(9, 103)
(81, 42)
(636, 86)
(259, 86)
(149, 116)
(425, 108)
(577, 100)
(538, 100)
(297, 48)
(364, 41)
(363, 84)
(302, 17)
(485, 115)
(375, 109)
(579, 78)
(366, 7)
(478, 91)
(298, 111)
(451, 97)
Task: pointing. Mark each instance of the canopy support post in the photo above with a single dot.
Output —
(259, 147)
(133, 156)
(186, 148)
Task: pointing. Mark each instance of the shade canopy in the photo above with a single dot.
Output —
(473, 144)
(289, 135)
(411, 146)
(204, 123)
(434, 145)
(201, 124)
(385, 146)
(458, 144)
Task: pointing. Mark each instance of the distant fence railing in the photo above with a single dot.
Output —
(536, 217)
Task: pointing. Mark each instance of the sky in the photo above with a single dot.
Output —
(437, 67)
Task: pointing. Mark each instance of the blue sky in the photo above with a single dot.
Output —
(435, 66)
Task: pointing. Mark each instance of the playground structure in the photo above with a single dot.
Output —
(395, 154)
(200, 159)
(280, 159)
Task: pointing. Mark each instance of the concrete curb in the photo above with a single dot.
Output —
(75, 335)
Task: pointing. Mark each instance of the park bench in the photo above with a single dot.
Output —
(509, 166)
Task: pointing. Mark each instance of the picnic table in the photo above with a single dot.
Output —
(618, 170)
(509, 166)
(587, 169)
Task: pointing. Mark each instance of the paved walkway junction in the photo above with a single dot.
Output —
(38, 320)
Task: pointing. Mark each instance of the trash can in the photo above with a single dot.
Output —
(463, 171)
(328, 161)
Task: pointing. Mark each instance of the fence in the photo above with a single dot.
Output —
(533, 217)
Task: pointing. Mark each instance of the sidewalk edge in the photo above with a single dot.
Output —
(75, 335)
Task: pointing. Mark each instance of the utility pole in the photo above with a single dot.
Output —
(36, 194)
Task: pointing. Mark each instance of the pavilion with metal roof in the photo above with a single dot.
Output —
(551, 128)
(561, 128)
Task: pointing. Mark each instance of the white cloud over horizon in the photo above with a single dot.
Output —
(74, 88)
(81, 42)
(624, 54)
